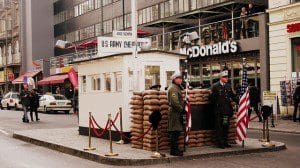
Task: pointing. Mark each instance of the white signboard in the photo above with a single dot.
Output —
(209, 50)
(122, 45)
(122, 33)
(269, 99)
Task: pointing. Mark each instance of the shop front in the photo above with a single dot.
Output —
(284, 37)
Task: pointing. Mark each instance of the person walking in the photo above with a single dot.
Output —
(25, 101)
(254, 95)
(222, 99)
(34, 104)
(296, 98)
(175, 119)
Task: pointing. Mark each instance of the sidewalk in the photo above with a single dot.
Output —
(68, 141)
(286, 126)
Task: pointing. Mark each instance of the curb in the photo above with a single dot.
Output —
(288, 132)
(138, 162)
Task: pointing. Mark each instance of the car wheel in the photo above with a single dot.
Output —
(45, 109)
(16, 107)
(67, 111)
(7, 106)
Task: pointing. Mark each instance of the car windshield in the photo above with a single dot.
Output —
(59, 97)
(15, 96)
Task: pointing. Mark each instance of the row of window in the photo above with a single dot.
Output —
(107, 82)
(80, 9)
(97, 30)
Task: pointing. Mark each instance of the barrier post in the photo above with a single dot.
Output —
(156, 153)
(121, 141)
(268, 144)
(111, 153)
(263, 139)
(90, 137)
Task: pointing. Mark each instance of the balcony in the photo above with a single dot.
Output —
(239, 28)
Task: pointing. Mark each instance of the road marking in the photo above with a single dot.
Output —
(4, 132)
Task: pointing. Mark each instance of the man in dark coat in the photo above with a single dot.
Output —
(254, 95)
(175, 125)
(34, 104)
(25, 101)
(222, 99)
(296, 98)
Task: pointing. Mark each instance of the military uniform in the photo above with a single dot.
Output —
(221, 98)
(175, 118)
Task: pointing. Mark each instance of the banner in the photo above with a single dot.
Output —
(73, 78)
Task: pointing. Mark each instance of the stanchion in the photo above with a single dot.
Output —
(268, 144)
(111, 153)
(90, 138)
(121, 141)
(156, 153)
(263, 139)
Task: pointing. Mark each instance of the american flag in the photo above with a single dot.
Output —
(244, 105)
(188, 112)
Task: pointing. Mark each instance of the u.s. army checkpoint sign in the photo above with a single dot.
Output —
(120, 45)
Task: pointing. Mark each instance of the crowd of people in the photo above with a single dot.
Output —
(30, 102)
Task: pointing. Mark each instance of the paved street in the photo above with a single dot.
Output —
(18, 154)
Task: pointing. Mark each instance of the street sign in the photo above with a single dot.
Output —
(269, 99)
(124, 34)
(122, 45)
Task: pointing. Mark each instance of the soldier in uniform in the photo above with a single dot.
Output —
(175, 119)
(222, 99)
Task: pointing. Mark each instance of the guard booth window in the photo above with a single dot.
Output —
(152, 76)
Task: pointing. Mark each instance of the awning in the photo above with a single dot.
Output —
(19, 80)
(53, 79)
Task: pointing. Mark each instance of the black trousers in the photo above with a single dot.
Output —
(222, 128)
(296, 104)
(31, 113)
(174, 137)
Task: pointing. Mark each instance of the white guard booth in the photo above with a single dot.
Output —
(107, 83)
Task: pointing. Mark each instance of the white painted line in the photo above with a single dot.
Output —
(4, 132)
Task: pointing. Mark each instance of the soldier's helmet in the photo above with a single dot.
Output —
(176, 75)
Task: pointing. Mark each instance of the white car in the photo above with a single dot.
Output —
(54, 103)
(11, 100)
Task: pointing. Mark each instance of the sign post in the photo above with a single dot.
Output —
(270, 99)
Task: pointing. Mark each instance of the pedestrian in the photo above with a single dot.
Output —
(223, 100)
(57, 91)
(25, 101)
(254, 95)
(34, 104)
(244, 21)
(175, 116)
(75, 102)
(296, 98)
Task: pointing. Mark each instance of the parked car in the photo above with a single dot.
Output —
(54, 103)
(11, 100)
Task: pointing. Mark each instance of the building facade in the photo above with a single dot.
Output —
(168, 22)
(284, 37)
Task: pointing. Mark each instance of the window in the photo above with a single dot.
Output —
(128, 20)
(107, 82)
(107, 26)
(118, 23)
(106, 2)
(118, 82)
(83, 83)
(97, 4)
(95, 83)
(98, 29)
(169, 74)
(76, 11)
(152, 76)
(296, 54)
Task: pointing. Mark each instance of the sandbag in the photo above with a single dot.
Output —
(137, 111)
(163, 97)
(151, 107)
(136, 102)
(151, 102)
(136, 117)
(164, 101)
(136, 97)
(136, 107)
(150, 92)
(164, 107)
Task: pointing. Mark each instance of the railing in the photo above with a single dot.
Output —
(243, 28)
(65, 60)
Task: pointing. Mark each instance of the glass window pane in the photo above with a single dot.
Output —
(169, 74)
(195, 75)
(152, 76)
(206, 75)
(296, 55)
(216, 69)
(107, 83)
(118, 82)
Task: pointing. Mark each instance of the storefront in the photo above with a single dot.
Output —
(284, 37)
(107, 83)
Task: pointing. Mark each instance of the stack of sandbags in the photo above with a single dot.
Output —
(231, 133)
(151, 103)
(198, 96)
(136, 106)
(163, 128)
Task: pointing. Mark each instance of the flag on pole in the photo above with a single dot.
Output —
(244, 105)
(188, 112)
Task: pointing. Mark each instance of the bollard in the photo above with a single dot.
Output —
(156, 153)
(263, 139)
(90, 137)
(121, 141)
(111, 153)
(268, 144)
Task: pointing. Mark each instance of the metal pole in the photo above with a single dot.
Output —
(134, 48)
(90, 137)
(232, 24)
(123, 10)
(163, 38)
(121, 126)
(199, 24)
(111, 153)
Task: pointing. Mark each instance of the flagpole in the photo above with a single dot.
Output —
(244, 66)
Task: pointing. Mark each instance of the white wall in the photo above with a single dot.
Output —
(278, 3)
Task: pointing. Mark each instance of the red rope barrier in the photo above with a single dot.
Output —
(130, 139)
(259, 114)
(115, 119)
(96, 132)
